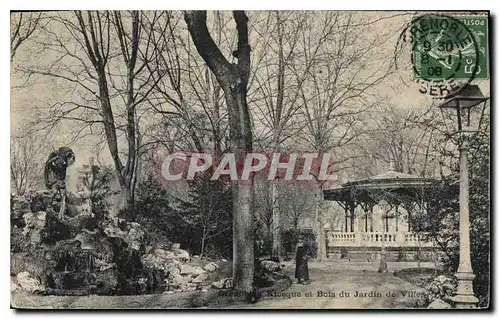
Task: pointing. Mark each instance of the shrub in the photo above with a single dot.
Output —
(289, 240)
(441, 287)
(202, 223)
(152, 211)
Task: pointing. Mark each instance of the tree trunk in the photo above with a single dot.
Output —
(127, 193)
(276, 221)
(124, 173)
(320, 230)
(132, 124)
(202, 250)
(243, 231)
(108, 120)
(129, 173)
(277, 125)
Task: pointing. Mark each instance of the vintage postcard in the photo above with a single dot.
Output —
(250, 160)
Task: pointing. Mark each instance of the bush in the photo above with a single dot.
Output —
(207, 213)
(205, 219)
(153, 212)
(100, 187)
(441, 287)
(263, 244)
(289, 239)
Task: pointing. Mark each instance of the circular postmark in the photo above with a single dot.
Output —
(441, 49)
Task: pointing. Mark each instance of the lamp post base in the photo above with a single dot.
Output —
(464, 298)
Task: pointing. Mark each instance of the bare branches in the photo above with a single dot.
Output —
(108, 61)
(273, 88)
(297, 202)
(310, 78)
(22, 27)
(336, 81)
(26, 161)
(398, 141)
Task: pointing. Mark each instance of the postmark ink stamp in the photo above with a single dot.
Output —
(445, 49)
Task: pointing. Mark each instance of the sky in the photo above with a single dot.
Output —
(397, 89)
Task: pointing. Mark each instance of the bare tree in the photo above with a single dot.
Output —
(104, 57)
(336, 88)
(274, 96)
(398, 141)
(298, 202)
(233, 78)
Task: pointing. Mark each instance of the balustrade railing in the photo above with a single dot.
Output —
(378, 239)
(343, 237)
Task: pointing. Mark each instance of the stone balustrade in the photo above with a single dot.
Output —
(377, 239)
(343, 237)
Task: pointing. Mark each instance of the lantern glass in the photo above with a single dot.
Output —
(464, 110)
(472, 117)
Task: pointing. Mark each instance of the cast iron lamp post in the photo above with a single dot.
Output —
(469, 105)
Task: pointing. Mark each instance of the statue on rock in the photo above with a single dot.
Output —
(55, 174)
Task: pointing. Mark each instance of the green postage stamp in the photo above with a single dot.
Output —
(446, 47)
